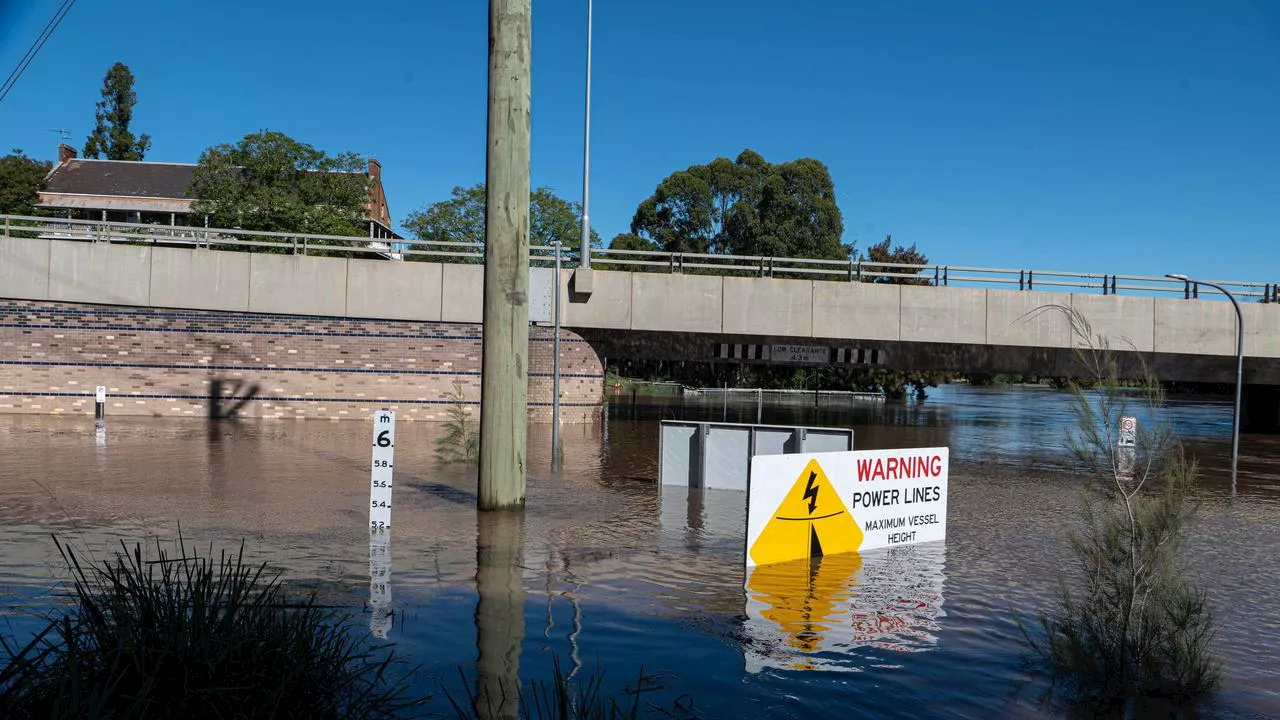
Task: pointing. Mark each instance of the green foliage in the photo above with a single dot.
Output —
(461, 219)
(460, 442)
(20, 178)
(631, 241)
(886, 252)
(1135, 628)
(746, 206)
(269, 181)
(191, 637)
(111, 136)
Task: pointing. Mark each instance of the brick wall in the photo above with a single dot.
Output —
(165, 362)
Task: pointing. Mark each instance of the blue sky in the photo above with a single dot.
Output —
(1130, 137)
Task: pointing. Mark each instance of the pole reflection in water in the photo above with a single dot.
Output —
(499, 613)
(382, 614)
(810, 614)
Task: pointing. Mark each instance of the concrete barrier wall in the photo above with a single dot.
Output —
(1028, 319)
(34, 269)
(863, 311)
(676, 303)
(24, 268)
(1128, 323)
(956, 315)
(199, 280)
(100, 273)
(765, 306)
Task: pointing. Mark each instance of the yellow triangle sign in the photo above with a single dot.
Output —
(810, 521)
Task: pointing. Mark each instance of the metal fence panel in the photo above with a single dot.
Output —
(718, 455)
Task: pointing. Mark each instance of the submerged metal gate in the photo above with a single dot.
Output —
(718, 455)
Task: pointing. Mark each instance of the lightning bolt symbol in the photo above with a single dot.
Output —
(811, 492)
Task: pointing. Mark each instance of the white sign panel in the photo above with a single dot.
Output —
(806, 505)
(384, 447)
(1128, 432)
(799, 354)
(101, 394)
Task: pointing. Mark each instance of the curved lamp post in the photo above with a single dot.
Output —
(1235, 420)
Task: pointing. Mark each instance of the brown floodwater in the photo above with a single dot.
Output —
(608, 570)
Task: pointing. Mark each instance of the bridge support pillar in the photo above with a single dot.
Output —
(1260, 410)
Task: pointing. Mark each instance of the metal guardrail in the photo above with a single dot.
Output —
(652, 261)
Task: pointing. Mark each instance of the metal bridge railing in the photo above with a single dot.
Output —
(604, 258)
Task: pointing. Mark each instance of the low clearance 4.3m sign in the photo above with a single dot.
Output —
(802, 506)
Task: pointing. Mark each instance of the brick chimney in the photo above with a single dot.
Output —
(65, 153)
(375, 170)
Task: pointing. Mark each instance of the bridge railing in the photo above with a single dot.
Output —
(235, 239)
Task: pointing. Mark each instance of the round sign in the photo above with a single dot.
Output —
(1126, 424)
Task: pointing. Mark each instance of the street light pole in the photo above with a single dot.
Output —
(1235, 419)
(585, 257)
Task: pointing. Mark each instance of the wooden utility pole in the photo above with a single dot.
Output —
(504, 381)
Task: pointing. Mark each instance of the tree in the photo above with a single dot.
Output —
(461, 219)
(269, 181)
(1136, 628)
(111, 135)
(20, 178)
(885, 252)
(746, 206)
(631, 241)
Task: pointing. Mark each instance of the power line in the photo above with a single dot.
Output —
(35, 48)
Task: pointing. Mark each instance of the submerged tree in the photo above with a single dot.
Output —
(111, 137)
(460, 442)
(1135, 628)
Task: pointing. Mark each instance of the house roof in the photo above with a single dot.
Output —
(120, 178)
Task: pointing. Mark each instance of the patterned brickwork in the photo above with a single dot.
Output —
(161, 362)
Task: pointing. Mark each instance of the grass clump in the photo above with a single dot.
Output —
(194, 637)
(460, 442)
(1136, 632)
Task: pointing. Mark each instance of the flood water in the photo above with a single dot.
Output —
(608, 570)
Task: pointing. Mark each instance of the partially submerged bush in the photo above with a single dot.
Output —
(191, 637)
(460, 442)
(1136, 629)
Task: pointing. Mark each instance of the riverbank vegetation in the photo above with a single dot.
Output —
(1133, 629)
(194, 636)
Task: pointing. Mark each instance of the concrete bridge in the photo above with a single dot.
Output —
(680, 316)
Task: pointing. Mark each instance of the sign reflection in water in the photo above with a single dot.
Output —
(380, 583)
(811, 614)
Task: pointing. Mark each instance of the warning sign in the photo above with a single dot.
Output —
(801, 506)
(811, 519)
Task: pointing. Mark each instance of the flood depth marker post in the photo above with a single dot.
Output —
(384, 448)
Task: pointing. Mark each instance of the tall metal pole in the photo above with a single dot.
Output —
(585, 262)
(1235, 418)
(555, 380)
(504, 380)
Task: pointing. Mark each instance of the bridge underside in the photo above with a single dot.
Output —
(1262, 375)
(952, 357)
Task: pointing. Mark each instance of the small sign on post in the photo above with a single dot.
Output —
(1128, 441)
(384, 447)
(100, 402)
